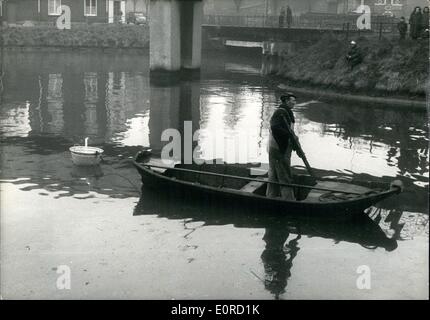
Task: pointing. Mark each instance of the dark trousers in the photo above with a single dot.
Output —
(280, 171)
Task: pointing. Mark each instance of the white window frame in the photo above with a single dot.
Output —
(382, 3)
(396, 4)
(55, 13)
(90, 14)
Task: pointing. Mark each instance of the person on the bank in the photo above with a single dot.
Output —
(402, 26)
(425, 22)
(354, 55)
(282, 17)
(289, 17)
(280, 147)
(415, 21)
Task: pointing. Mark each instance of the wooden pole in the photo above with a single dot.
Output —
(266, 13)
(347, 31)
(299, 149)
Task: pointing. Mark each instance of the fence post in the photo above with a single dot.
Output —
(347, 31)
(380, 30)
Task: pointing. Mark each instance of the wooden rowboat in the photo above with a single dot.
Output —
(237, 182)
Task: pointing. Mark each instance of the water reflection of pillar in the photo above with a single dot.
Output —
(74, 104)
(190, 111)
(35, 112)
(164, 109)
(90, 103)
(54, 104)
(101, 110)
(47, 110)
(115, 104)
(173, 100)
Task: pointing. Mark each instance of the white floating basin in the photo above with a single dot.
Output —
(86, 156)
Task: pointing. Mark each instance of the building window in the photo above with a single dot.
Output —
(90, 8)
(53, 7)
(388, 2)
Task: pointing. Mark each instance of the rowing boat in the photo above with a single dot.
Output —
(238, 182)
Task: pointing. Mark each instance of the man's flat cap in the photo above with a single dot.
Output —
(287, 96)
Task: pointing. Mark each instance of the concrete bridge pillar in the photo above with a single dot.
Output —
(175, 34)
(275, 48)
(174, 100)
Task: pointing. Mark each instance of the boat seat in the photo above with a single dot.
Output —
(257, 172)
(251, 187)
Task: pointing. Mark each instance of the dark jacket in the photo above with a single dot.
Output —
(354, 55)
(278, 126)
(416, 18)
(289, 15)
(425, 20)
(402, 27)
(415, 21)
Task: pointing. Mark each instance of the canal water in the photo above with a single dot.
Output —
(119, 241)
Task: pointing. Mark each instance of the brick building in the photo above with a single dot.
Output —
(90, 11)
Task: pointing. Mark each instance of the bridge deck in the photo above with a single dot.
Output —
(271, 33)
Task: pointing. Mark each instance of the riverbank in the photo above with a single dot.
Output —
(80, 36)
(389, 68)
(361, 99)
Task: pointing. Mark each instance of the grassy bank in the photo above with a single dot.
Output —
(103, 36)
(389, 67)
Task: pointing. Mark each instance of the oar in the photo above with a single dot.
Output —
(299, 149)
(248, 179)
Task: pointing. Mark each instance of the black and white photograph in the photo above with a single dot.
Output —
(215, 150)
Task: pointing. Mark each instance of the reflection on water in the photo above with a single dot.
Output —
(398, 137)
(282, 233)
(111, 99)
(54, 100)
(75, 95)
(277, 265)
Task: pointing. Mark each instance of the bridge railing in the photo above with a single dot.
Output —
(380, 24)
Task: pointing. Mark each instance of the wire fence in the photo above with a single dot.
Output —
(380, 24)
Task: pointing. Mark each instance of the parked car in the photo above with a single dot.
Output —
(136, 18)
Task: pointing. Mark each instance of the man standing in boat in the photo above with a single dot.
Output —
(281, 143)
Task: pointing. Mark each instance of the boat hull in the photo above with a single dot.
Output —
(156, 180)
